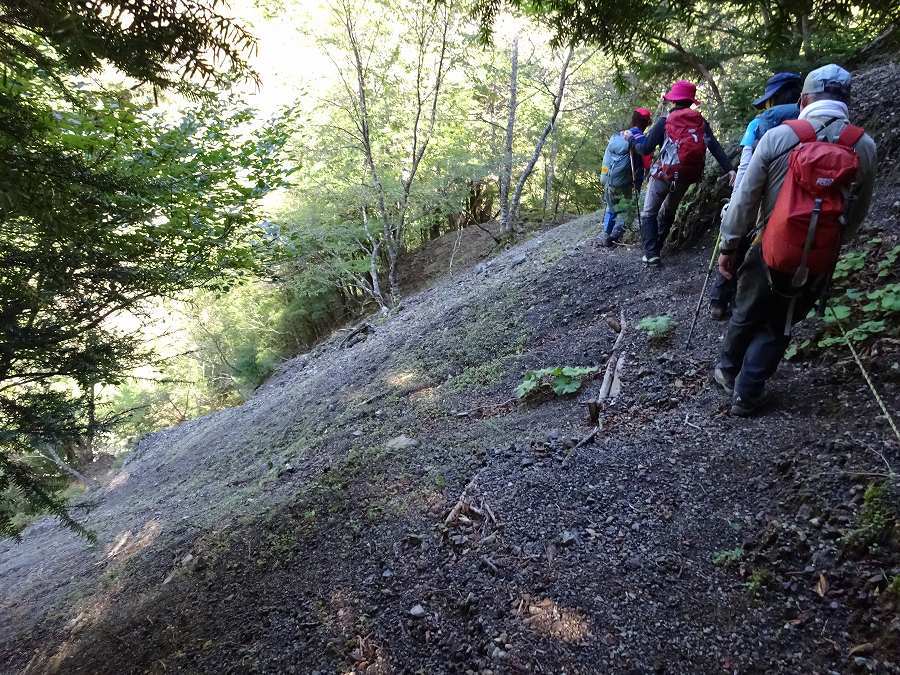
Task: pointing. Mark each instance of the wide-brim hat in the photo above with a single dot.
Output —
(682, 91)
(774, 85)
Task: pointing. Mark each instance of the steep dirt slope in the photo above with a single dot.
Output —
(306, 530)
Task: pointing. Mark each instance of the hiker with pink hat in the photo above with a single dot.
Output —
(684, 136)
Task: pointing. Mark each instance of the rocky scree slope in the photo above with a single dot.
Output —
(384, 506)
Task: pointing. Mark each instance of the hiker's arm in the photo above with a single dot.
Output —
(716, 149)
(746, 154)
(865, 149)
(651, 140)
(744, 204)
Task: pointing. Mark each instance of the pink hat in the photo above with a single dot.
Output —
(643, 112)
(682, 91)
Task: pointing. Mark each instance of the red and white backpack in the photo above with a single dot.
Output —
(683, 153)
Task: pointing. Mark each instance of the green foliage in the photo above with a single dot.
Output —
(879, 518)
(866, 300)
(634, 30)
(728, 557)
(657, 328)
(759, 579)
(561, 380)
(888, 264)
(107, 205)
(893, 587)
(168, 43)
(850, 262)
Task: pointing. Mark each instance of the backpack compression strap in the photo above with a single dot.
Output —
(850, 135)
(805, 131)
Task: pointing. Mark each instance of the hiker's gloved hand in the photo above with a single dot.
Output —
(731, 177)
(726, 265)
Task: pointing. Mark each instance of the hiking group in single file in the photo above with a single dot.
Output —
(802, 188)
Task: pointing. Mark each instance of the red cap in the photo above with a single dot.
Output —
(643, 112)
(682, 91)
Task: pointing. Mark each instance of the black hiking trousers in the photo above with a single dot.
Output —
(754, 340)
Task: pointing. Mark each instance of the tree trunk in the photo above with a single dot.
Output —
(804, 32)
(557, 106)
(50, 454)
(374, 258)
(393, 224)
(393, 284)
(694, 61)
(506, 166)
(550, 171)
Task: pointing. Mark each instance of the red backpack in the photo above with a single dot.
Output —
(803, 233)
(684, 150)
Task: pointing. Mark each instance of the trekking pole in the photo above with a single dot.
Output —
(712, 260)
(637, 194)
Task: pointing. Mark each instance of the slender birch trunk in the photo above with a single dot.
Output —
(557, 106)
(506, 223)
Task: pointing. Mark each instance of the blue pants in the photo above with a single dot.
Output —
(618, 210)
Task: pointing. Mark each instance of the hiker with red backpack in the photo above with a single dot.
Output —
(778, 104)
(808, 186)
(622, 174)
(684, 137)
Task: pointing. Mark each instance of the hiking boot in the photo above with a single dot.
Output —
(717, 312)
(611, 243)
(745, 406)
(652, 261)
(603, 239)
(724, 380)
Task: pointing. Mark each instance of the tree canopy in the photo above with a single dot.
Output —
(700, 36)
(106, 204)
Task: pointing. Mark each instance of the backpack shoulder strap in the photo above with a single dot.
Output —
(804, 129)
(850, 135)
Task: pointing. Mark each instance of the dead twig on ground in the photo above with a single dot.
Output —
(613, 365)
(612, 383)
(587, 438)
(462, 503)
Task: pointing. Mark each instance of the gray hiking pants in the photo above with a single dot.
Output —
(660, 205)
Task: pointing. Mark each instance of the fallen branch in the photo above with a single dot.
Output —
(613, 365)
(461, 503)
(587, 438)
(616, 387)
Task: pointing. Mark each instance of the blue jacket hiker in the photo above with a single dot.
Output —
(622, 174)
(778, 104)
(683, 137)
